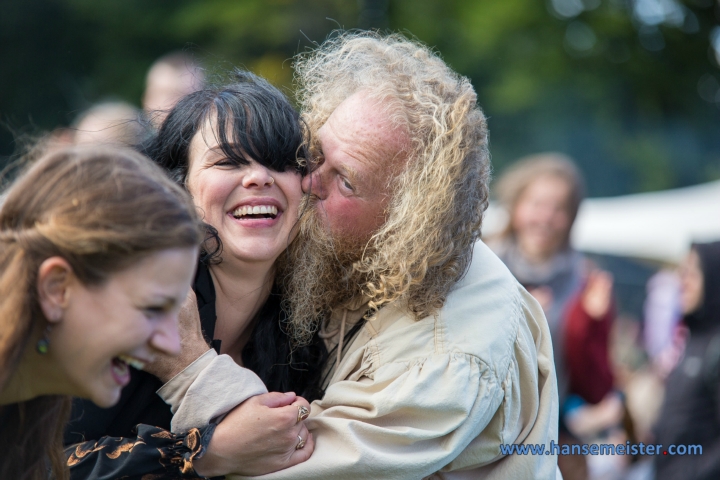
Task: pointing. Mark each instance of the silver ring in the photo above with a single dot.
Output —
(300, 444)
(272, 180)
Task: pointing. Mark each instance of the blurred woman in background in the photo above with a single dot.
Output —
(542, 194)
(97, 252)
(691, 410)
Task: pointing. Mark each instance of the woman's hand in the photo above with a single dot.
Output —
(192, 343)
(597, 297)
(261, 435)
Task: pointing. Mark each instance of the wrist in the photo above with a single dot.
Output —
(186, 359)
(209, 465)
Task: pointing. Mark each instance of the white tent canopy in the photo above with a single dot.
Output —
(658, 225)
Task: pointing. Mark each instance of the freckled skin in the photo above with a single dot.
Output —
(361, 152)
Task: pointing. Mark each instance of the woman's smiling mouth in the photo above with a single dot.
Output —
(255, 211)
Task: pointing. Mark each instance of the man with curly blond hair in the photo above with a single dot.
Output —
(437, 355)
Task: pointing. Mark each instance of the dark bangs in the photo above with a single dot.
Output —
(262, 122)
(254, 121)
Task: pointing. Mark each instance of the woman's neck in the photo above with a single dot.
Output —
(35, 376)
(240, 292)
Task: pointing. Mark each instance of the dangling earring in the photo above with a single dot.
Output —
(43, 345)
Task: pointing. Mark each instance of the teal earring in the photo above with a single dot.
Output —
(43, 345)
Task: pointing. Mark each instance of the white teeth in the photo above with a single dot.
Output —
(133, 362)
(255, 210)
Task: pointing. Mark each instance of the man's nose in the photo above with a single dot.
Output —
(312, 183)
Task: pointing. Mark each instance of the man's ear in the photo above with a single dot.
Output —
(54, 277)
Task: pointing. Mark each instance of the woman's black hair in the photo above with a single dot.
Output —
(254, 119)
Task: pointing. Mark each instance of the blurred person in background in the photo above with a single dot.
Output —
(663, 332)
(108, 123)
(234, 147)
(169, 79)
(691, 410)
(97, 252)
(542, 194)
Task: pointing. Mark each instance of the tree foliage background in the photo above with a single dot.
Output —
(629, 88)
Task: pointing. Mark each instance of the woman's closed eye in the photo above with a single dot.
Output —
(155, 310)
(225, 162)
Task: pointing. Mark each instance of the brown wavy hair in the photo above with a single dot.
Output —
(436, 211)
(102, 210)
(517, 178)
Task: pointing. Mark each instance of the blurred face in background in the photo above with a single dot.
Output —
(691, 283)
(165, 86)
(541, 218)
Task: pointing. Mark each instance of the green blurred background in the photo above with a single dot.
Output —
(629, 88)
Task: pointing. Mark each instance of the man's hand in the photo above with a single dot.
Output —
(259, 436)
(192, 343)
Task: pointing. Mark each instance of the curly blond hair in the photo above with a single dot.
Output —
(436, 211)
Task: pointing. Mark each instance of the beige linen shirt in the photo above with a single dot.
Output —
(411, 399)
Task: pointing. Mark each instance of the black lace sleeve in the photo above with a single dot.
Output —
(155, 454)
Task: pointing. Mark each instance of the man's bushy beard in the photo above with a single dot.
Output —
(320, 274)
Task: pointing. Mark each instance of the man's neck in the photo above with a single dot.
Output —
(240, 292)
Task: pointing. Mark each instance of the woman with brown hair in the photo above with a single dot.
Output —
(542, 194)
(97, 252)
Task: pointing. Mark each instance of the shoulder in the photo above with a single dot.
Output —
(488, 311)
(484, 316)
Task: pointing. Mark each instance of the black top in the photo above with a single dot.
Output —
(268, 353)
(691, 409)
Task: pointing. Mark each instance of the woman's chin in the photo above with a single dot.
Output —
(105, 396)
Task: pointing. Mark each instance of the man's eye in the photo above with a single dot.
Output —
(346, 184)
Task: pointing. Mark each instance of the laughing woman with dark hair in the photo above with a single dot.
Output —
(235, 149)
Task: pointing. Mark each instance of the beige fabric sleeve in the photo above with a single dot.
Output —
(406, 422)
(207, 389)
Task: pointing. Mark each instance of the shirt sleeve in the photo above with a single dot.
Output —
(154, 451)
(208, 389)
(406, 421)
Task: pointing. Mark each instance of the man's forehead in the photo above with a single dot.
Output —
(363, 122)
